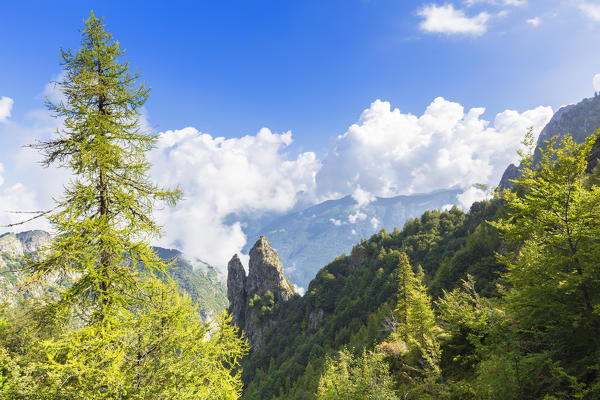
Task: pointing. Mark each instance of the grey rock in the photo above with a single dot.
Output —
(11, 245)
(580, 120)
(236, 290)
(252, 298)
(265, 272)
(32, 241)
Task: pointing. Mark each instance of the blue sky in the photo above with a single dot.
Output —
(265, 105)
(231, 67)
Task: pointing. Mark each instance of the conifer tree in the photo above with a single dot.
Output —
(413, 351)
(417, 326)
(350, 377)
(125, 332)
(104, 219)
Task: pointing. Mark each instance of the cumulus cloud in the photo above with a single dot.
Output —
(6, 104)
(357, 216)
(389, 153)
(535, 22)
(445, 19)
(362, 197)
(375, 222)
(224, 177)
(596, 82)
(470, 196)
(591, 10)
(19, 197)
(336, 222)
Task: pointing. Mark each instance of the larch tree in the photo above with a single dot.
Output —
(413, 350)
(104, 218)
(127, 333)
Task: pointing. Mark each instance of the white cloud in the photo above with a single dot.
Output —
(596, 82)
(375, 222)
(362, 197)
(299, 289)
(223, 177)
(446, 19)
(357, 216)
(470, 196)
(18, 197)
(6, 104)
(535, 22)
(389, 153)
(336, 222)
(591, 10)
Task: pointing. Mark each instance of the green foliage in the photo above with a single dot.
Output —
(416, 322)
(119, 329)
(157, 350)
(554, 279)
(515, 283)
(364, 377)
(104, 218)
(350, 302)
(413, 349)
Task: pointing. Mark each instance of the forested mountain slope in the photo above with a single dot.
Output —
(349, 300)
(499, 303)
(308, 239)
(201, 281)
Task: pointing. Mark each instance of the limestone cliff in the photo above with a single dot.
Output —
(253, 298)
(580, 120)
(236, 290)
(17, 245)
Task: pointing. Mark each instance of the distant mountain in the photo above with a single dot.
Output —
(201, 281)
(580, 120)
(309, 239)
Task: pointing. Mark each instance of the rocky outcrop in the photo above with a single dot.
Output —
(265, 272)
(11, 245)
(22, 243)
(32, 241)
(594, 156)
(580, 120)
(236, 290)
(511, 172)
(253, 298)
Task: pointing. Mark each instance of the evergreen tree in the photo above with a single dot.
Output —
(348, 377)
(417, 327)
(123, 330)
(104, 219)
(554, 279)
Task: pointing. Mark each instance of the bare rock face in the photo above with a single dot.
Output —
(22, 243)
(253, 298)
(11, 245)
(265, 272)
(33, 240)
(236, 290)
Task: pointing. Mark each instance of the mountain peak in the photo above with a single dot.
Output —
(580, 120)
(265, 272)
(252, 297)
